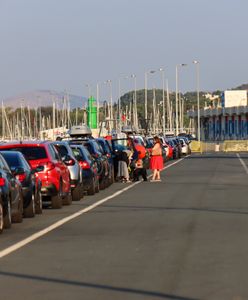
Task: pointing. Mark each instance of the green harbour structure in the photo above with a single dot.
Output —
(92, 113)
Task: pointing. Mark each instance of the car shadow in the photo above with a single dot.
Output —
(124, 290)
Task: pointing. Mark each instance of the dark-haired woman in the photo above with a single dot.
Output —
(156, 161)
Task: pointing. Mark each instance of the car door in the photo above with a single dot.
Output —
(65, 174)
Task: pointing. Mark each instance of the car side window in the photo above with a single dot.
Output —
(54, 152)
(4, 165)
(77, 153)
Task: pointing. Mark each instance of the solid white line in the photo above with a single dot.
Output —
(242, 163)
(61, 222)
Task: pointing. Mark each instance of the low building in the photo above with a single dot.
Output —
(229, 121)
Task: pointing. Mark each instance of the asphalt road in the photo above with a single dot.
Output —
(181, 239)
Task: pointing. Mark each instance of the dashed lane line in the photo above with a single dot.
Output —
(61, 222)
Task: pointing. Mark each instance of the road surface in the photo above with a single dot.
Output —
(182, 239)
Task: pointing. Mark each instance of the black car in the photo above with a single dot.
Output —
(31, 186)
(102, 162)
(89, 169)
(107, 151)
(11, 195)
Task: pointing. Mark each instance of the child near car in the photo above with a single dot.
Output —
(139, 170)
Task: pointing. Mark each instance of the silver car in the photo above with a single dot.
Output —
(72, 164)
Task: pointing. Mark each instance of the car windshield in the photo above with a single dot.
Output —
(120, 144)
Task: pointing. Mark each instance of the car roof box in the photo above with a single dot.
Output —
(80, 131)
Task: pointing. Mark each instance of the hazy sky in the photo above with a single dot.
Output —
(64, 44)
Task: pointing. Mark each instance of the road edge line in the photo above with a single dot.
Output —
(61, 222)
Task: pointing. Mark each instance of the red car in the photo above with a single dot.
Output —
(55, 177)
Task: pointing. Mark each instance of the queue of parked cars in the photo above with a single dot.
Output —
(37, 174)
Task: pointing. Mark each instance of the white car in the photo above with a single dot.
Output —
(185, 147)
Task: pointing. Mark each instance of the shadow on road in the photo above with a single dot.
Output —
(152, 294)
(160, 208)
(214, 155)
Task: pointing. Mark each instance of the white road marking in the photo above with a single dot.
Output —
(61, 222)
(242, 163)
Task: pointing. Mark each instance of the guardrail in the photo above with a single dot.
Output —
(224, 146)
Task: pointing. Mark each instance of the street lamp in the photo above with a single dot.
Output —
(146, 75)
(135, 116)
(197, 64)
(163, 103)
(177, 66)
(111, 98)
(119, 102)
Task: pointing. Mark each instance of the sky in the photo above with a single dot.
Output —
(66, 44)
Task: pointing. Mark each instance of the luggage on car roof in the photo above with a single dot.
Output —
(80, 131)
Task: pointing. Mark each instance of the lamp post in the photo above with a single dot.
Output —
(163, 103)
(177, 66)
(135, 116)
(146, 75)
(119, 102)
(111, 98)
(197, 64)
(98, 103)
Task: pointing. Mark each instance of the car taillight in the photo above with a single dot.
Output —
(70, 162)
(2, 181)
(21, 177)
(84, 164)
(49, 166)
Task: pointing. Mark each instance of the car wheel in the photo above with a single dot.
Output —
(7, 217)
(97, 187)
(57, 201)
(76, 193)
(38, 203)
(1, 217)
(67, 200)
(18, 217)
(112, 176)
(92, 189)
(29, 211)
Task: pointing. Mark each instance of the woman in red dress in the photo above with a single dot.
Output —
(156, 161)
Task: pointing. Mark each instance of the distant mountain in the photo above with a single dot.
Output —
(44, 98)
(242, 87)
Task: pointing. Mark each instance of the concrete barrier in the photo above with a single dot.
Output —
(236, 146)
(225, 146)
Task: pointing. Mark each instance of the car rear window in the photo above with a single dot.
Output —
(31, 153)
(12, 160)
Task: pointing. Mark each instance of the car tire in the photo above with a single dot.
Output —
(7, 217)
(29, 211)
(67, 200)
(1, 218)
(92, 190)
(57, 201)
(18, 217)
(112, 176)
(97, 187)
(38, 203)
(76, 193)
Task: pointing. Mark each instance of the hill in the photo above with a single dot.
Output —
(44, 98)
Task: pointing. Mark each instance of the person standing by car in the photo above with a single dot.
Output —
(123, 163)
(156, 161)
